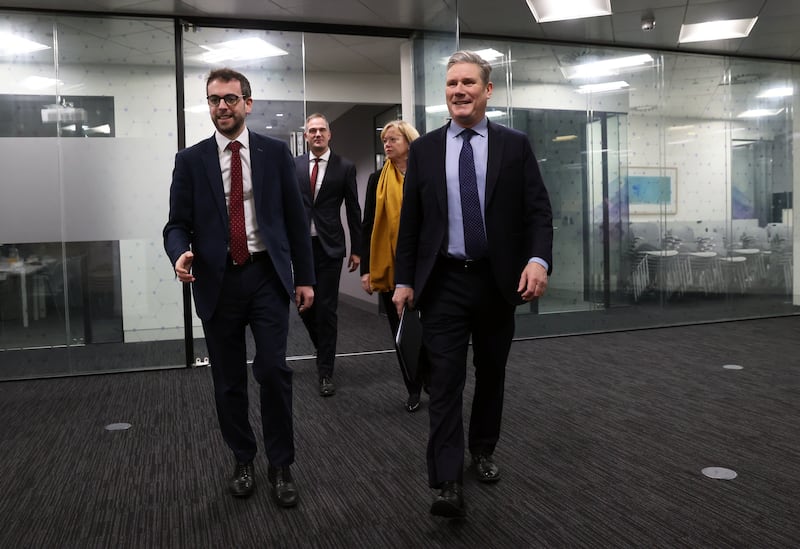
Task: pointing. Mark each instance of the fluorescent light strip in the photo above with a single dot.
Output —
(716, 30)
(545, 11)
(436, 109)
(41, 82)
(603, 87)
(759, 113)
(197, 108)
(244, 49)
(607, 67)
(11, 44)
(776, 93)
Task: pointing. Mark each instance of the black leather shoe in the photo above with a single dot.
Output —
(450, 502)
(243, 483)
(326, 387)
(412, 404)
(283, 489)
(485, 468)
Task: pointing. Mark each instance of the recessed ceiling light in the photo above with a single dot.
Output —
(102, 128)
(489, 54)
(607, 67)
(436, 109)
(776, 92)
(716, 30)
(197, 108)
(11, 44)
(545, 11)
(40, 82)
(244, 49)
(603, 87)
(759, 113)
(560, 138)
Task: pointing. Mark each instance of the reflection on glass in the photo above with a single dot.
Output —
(669, 206)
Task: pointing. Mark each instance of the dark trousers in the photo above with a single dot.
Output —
(321, 319)
(252, 295)
(457, 304)
(412, 385)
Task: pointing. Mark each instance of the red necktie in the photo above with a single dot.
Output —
(239, 252)
(314, 172)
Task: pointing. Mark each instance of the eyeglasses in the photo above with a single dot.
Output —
(229, 99)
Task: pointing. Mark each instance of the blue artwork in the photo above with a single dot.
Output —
(649, 189)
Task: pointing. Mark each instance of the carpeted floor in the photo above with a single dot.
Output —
(603, 444)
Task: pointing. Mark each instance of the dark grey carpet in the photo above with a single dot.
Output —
(604, 439)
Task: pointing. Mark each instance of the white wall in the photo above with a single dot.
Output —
(75, 189)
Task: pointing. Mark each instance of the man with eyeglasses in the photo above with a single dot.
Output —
(238, 232)
(327, 180)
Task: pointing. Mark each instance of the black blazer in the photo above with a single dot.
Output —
(198, 217)
(338, 185)
(518, 217)
(367, 224)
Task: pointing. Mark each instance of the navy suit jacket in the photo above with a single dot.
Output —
(338, 185)
(517, 214)
(198, 217)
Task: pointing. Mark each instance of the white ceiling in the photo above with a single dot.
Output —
(775, 35)
(695, 83)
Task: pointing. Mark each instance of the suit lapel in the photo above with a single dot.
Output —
(495, 155)
(441, 190)
(330, 170)
(210, 158)
(257, 169)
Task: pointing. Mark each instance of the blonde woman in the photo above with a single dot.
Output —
(379, 229)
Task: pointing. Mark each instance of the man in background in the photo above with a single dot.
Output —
(327, 180)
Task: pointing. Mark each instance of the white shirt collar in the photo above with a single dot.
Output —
(243, 138)
(323, 158)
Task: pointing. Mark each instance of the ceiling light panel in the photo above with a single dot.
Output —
(11, 44)
(603, 87)
(716, 30)
(245, 49)
(545, 11)
(607, 67)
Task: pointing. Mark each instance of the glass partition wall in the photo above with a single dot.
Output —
(671, 176)
(88, 131)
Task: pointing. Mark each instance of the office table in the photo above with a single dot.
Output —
(23, 271)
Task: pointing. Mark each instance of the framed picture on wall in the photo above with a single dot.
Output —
(652, 190)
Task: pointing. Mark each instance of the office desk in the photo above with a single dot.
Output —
(23, 271)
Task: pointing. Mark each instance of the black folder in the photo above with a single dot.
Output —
(408, 342)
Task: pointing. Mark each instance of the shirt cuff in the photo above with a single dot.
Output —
(540, 261)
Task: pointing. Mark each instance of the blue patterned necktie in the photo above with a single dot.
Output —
(474, 235)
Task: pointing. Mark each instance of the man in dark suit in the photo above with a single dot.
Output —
(237, 231)
(475, 240)
(327, 180)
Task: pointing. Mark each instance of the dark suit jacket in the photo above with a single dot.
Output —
(339, 185)
(370, 203)
(519, 221)
(198, 217)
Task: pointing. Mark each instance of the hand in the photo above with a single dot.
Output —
(403, 297)
(353, 262)
(303, 298)
(533, 281)
(365, 284)
(183, 267)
